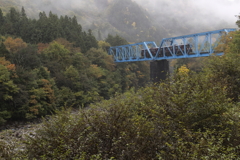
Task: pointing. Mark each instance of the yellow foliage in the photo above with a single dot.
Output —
(139, 74)
(96, 71)
(45, 81)
(154, 28)
(183, 70)
(33, 96)
(14, 45)
(4, 62)
(48, 90)
(2, 38)
(104, 45)
(223, 46)
(33, 101)
(34, 109)
(8, 65)
(134, 24)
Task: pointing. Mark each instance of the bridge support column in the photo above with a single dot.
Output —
(159, 70)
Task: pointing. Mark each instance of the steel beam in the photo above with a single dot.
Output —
(187, 46)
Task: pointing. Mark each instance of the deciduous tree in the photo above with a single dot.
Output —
(14, 45)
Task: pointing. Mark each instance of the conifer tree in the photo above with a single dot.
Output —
(238, 21)
(1, 22)
(14, 18)
(23, 13)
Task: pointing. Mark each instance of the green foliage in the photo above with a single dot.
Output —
(90, 41)
(225, 69)
(8, 89)
(56, 52)
(3, 51)
(104, 45)
(46, 29)
(116, 41)
(74, 64)
(238, 21)
(189, 116)
(6, 150)
(194, 64)
(27, 58)
(148, 124)
(42, 99)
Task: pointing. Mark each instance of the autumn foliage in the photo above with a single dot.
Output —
(40, 74)
(14, 45)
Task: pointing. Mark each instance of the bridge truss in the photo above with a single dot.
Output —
(193, 45)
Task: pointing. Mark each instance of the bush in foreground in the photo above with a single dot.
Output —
(185, 119)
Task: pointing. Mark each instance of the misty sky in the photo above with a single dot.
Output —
(208, 10)
(178, 16)
(226, 9)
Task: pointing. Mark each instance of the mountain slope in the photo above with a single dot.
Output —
(135, 21)
(104, 17)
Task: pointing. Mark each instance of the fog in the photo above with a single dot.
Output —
(177, 17)
(195, 13)
(225, 9)
(208, 11)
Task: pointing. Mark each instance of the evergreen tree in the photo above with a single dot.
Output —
(1, 22)
(23, 13)
(99, 35)
(3, 51)
(116, 41)
(24, 25)
(53, 28)
(41, 27)
(238, 21)
(90, 40)
(14, 18)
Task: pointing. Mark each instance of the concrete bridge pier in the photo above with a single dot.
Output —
(159, 70)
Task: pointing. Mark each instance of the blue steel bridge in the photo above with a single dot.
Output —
(187, 46)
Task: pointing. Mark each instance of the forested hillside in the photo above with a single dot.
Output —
(134, 20)
(50, 63)
(104, 17)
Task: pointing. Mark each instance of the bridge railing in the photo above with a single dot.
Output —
(193, 45)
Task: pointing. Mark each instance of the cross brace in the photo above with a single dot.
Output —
(193, 45)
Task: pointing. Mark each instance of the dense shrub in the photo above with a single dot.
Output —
(186, 118)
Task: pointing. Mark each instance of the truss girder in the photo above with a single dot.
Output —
(193, 45)
(132, 52)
